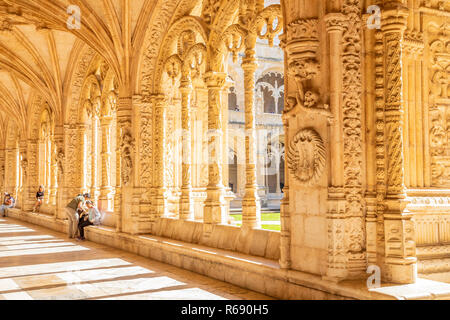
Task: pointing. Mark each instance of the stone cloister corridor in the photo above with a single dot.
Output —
(292, 149)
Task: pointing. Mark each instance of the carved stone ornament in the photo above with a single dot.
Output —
(303, 29)
(126, 147)
(306, 156)
(24, 165)
(60, 161)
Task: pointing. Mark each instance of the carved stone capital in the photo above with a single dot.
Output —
(302, 38)
(215, 79)
(335, 22)
(250, 65)
(394, 19)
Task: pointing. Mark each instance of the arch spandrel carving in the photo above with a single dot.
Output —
(147, 63)
(175, 46)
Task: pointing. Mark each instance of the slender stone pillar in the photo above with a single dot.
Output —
(186, 201)
(53, 173)
(57, 142)
(159, 165)
(118, 182)
(83, 157)
(94, 159)
(124, 222)
(335, 28)
(215, 205)
(59, 172)
(285, 216)
(251, 206)
(24, 171)
(400, 256)
(2, 170)
(337, 255)
(105, 200)
(370, 141)
(240, 167)
(277, 170)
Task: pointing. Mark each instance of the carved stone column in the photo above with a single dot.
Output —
(159, 143)
(337, 251)
(73, 154)
(118, 182)
(2, 169)
(400, 254)
(53, 173)
(82, 174)
(94, 159)
(285, 216)
(60, 194)
(370, 83)
(142, 104)
(57, 168)
(186, 201)
(105, 200)
(124, 220)
(240, 167)
(24, 169)
(251, 206)
(215, 205)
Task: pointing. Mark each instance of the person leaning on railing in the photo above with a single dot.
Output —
(77, 204)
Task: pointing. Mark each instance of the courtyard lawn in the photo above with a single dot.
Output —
(275, 227)
(265, 216)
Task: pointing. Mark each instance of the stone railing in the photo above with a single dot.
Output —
(431, 216)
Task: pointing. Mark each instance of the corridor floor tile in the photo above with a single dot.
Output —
(45, 265)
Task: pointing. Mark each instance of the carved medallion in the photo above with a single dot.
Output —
(306, 156)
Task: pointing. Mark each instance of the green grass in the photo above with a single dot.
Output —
(270, 227)
(269, 216)
(237, 217)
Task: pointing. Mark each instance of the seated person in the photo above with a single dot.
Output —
(8, 202)
(92, 217)
(39, 199)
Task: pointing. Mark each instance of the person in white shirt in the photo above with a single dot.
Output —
(8, 202)
(92, 217)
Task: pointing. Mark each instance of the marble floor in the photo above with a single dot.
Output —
(37, 263)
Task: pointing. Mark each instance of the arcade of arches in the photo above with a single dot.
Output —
(167, 110)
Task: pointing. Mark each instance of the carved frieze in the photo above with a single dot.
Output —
(439, 134)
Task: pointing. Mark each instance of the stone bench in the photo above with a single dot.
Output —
(12, 210)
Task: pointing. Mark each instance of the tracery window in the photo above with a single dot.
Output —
(271, 89)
